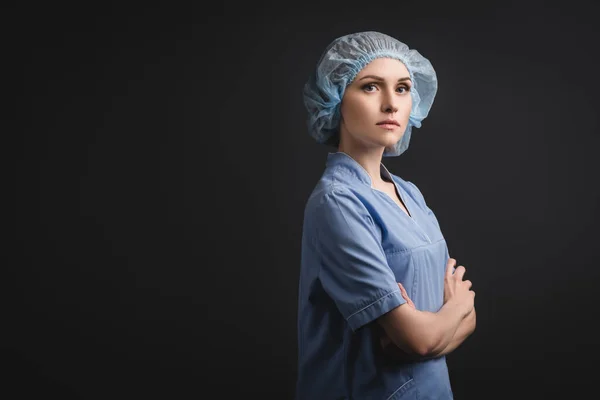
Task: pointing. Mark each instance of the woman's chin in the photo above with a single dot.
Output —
(390, 141)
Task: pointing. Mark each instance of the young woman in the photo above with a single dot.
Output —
(380, 300)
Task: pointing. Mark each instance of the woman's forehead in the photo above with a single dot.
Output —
(387, 68)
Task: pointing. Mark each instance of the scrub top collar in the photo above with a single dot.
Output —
(346, 162)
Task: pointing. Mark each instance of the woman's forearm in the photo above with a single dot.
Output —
(423, 333)
(444, 326)
(464, 330)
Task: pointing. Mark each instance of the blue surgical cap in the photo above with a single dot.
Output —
(341, 61)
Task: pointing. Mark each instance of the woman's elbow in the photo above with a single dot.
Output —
(427, 345)
(414, 331)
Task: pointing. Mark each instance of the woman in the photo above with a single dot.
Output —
(380, 302)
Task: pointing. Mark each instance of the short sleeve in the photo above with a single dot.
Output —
(354, 270)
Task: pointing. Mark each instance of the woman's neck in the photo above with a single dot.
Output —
(369, 159)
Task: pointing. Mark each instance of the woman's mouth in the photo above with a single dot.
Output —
(388, 126)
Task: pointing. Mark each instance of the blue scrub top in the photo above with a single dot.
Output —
(357, 243)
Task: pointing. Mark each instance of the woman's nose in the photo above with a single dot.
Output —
(389, 107)
(388, 104)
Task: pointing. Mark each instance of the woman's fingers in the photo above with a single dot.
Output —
(405, 295)
(459, 272)
(450, 267)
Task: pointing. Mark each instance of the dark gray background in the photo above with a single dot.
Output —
(162, 165)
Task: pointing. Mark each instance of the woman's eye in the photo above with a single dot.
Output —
(369, 86)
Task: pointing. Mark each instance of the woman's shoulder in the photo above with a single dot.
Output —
(331, 196)
(335, 209)
(327, 192)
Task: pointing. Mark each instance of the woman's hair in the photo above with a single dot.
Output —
(339, 64)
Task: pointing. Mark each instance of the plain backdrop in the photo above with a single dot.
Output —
(162, 165)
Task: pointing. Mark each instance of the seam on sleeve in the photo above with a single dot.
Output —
(370, 304)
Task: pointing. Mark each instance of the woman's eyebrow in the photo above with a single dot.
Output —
(378, 78)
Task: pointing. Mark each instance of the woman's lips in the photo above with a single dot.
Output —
(390, 127)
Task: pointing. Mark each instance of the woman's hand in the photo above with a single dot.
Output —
(405, 295)
(457, 290)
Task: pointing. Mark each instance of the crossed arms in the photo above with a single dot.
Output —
(415, 334)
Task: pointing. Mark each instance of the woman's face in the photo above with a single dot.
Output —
(380, 91)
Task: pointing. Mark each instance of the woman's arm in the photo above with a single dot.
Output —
(427, 334)
(465, 328)
(422, 333)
